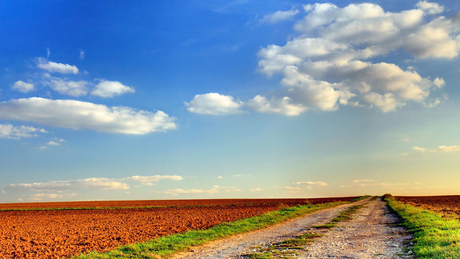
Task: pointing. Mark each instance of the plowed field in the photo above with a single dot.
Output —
(65, 233)
(447, 205)
(164, 203)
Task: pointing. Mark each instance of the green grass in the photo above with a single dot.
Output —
(167, 245)
(361, 198)
(434, 236)
(286, 249)
(344, 215)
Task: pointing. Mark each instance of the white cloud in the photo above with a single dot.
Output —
(52, 67)
(423, 150)
(430, 8)
(363, 181)
(153, 178)
(82, 55)
(214, 104)
(333, 68)
(41, 196)
(72, 88)
(22, 86)
(220, 177)
(52, 143)
(312, 183)
(11, 132)
(59, 186)
(282, 105)
(439, 82)
(449, 148)
(215, 189)
(108, 89)
(84, 115)
(301, 187)
(279, 16)
(255, 190)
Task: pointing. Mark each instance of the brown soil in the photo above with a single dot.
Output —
(447, 205)
(163, 203)
(64, 233)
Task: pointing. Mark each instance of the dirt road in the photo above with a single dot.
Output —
(371, 234)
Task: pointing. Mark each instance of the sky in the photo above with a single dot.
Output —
(123, 100)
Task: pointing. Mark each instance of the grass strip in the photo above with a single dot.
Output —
(344, 215)
(362, 198)
(434, 236)
(163, 247)
(288, 248)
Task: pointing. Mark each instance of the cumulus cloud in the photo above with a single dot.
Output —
(215, 189)
(59, 186)
(214, 104)
(334, 68)
(430, 8)
(279, 16)
(12, 132)
(84, 115)
(54, 67)
(52, 143)
(255, 190)
(72, 88)
(108, 89)
(22, 86)
(278, 105)
(153, 178)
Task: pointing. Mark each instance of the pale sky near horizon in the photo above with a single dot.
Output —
(119, 100)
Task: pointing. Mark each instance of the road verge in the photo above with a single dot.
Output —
(434, 236)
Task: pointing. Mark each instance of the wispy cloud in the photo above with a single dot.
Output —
(214, 189)
(67, 87)
(439, 149)
(57, 186)
(89, 183)
(12, 132)
(153, 178)
(54, 67)
(279, 16)
(449, 148)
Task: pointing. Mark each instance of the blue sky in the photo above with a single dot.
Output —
(228, 99)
